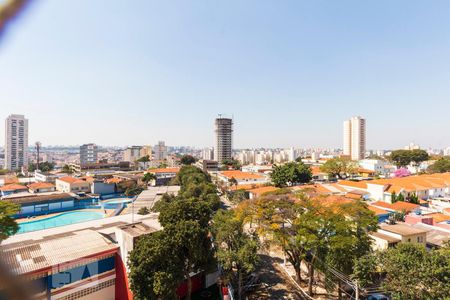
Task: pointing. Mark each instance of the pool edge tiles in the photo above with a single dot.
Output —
(62, 219)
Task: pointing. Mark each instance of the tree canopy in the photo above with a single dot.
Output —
(290, 173)
(442, 165)
(339, 166)
(187, 159)
(402, 158)
(44, 166)
(185, 219)
(8, 225)
(236, 249)
(144, 159)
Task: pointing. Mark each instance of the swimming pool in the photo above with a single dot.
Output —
(118, 201)
(59, 220)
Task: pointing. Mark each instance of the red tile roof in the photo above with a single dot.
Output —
(41, 185)
(70, 179)
(12, 187)
(165, 170)
(241, 175)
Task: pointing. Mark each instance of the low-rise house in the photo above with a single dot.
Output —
(12, 188)
(70, 184)
(389, 235)
(164, 175)
(399, 206)
(259, 191)
(41, 187)
(243, 177)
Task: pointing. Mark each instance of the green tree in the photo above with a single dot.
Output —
(44, 166)
(8, 225)
(290, 173)
(231, 163)
(442, 165)
(233, 182)
(133, 190)
(67, 169)
(402, 158)
(236, 249)
(148, 177)
(144, 159)
(413, 273)
(187, 160)
(143, 211)
(154, 267)
(237, 196)
(339, 166)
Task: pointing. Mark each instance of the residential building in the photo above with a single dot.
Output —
(164, 175)
(70, 184)
(12, 188)
(355, 138)
(88, 154)
(208, 165)
(243, 177)
(16, 142)
(146, 150)
(41, 187)
(208, 154)
(160, 151)
(131, 154)
(224, 139)
(388, 236)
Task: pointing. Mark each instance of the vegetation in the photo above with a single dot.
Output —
(339, 167)
(4, 171)
(160, 263)
(290, 174)
(233, 182)
(143, 211)
(412, 272)
(442, 165)
(231, 164)
(44, 166)
(144, 159)
(402, 158)
(67, 169)
(148, 177)
(133, 190)
(237, 196)
(187, 160)
(310, 232)
(236, 249)
(8, 225)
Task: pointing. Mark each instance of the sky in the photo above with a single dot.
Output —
(289, 72)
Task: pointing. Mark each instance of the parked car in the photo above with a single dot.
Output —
(378, 297)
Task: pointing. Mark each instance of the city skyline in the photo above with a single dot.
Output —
(288, 79)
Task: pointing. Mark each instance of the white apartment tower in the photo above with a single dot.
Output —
(355, 138)
(224, 139)
(16, 142)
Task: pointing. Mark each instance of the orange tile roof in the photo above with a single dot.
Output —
(362, 170)
(353, 195)
(40, 185)
(70, 179)
(414, 183)
(12, 187)
(438, 217)
(164, 170)
(316, 170)
(377, 211)
(397, 206)
(262, 190)
(354, 184)
(318, 188)
(241, 175)
(113, 180)
(248, 186)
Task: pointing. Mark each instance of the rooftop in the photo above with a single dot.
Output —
(41, 185)
(13, 187)
(385, 237)
(164, 170)
(241, 175)
(70, 179)
(402, 229)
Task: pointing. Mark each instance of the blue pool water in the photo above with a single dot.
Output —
(59, 220)
(118, 201)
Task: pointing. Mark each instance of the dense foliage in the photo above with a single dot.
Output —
(402, 158)
(160, 263)
(339, 167)
(187, 160)
(44, 166)
(290, 174)
(8, 225)
(442, 165)
(236, 248)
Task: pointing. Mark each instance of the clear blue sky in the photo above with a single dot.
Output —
(113, 73)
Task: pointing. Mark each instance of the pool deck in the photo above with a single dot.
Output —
(107, 213)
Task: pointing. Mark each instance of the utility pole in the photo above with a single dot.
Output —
(356, 290)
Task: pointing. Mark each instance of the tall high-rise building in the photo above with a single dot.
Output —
(355, 138)
(224, 139)
(88, 154)
(16, 142)
(160, 151)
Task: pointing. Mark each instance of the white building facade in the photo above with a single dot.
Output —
(355, 138)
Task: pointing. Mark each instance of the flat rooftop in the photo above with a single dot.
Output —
(385, 237)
